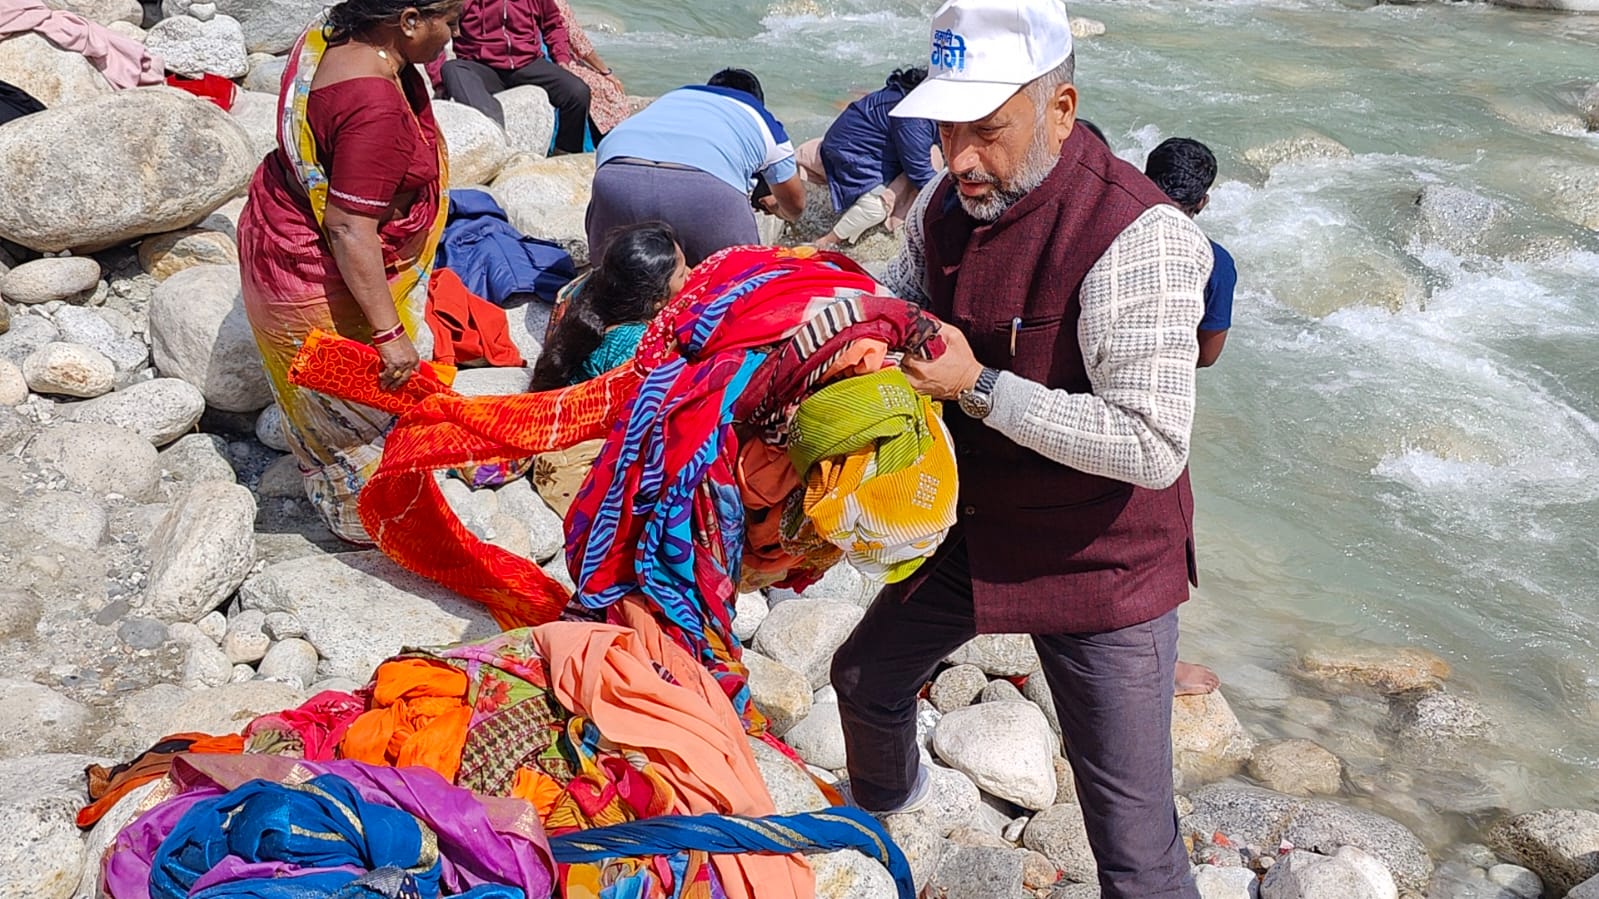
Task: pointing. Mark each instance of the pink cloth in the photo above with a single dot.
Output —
(124, 62)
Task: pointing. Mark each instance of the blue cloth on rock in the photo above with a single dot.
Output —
(496, 261)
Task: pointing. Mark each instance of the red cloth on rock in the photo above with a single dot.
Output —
(467, 327)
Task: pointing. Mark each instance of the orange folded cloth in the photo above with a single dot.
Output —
(467, 327)
(419, 717)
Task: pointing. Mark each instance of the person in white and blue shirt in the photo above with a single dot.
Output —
(691, 159)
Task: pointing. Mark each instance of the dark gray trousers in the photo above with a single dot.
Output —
(705, 211)
(1113, 693)
(475, 84)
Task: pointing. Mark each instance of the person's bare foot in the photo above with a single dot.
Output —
(1195, 680)
(827, 242)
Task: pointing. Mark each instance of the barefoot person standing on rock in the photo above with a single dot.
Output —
(341, 226)
(1071, 289)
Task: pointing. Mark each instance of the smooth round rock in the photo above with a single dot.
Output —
(289, 660)
(164, 255)
(160, 410)
(69, 369)
(99, 458)
(47, 280)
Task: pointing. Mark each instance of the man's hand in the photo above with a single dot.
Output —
(768, 205)
(945, 377)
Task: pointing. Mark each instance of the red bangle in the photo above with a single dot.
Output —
(389, 336)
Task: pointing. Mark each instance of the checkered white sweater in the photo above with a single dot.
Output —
(1142, 302)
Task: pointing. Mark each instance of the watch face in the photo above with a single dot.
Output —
(975, 404)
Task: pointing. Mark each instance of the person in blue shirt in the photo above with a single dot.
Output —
(1184, 169)
(690, 159)
(865, 151)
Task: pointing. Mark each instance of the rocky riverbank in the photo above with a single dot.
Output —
(161, 571)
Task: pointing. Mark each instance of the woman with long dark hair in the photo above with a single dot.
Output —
(601, 324)
(341, 226)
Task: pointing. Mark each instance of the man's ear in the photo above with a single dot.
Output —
(1062, 113)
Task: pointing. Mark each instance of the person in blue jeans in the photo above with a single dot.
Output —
(1184, 169)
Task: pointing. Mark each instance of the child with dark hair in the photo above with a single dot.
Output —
(604, 317)
(873, 163)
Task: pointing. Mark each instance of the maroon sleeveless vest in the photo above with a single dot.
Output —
(1051, 549)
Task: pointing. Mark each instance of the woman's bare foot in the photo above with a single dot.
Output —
(1195, 680)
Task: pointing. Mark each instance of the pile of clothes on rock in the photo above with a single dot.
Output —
(601, 746)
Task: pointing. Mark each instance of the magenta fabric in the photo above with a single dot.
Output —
(482, 839)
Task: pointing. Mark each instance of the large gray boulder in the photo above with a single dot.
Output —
(105, 12)
(360, 608)
(1263, 818)
(548, 198)
(476, 142)
(529, 119)
(160, 410)
(201, 551)
(138, 162)
(257, 113)
(41, 850)
(53, 76)
(193, 48)
(199, 333)
(270, 26)
(99, 458)
(1560, 845)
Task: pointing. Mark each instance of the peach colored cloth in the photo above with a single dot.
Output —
(687, 728)
(123, 61)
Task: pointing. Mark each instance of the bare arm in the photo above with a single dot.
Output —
(1210, 346)
(359, 254)
(790, 196)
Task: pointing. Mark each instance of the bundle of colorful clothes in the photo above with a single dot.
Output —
(575, 759)
(761, 434)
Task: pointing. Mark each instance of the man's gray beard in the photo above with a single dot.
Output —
(1035, 167)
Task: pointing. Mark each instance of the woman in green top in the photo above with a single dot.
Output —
(604, 321)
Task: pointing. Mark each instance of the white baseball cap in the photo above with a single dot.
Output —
(983, 51)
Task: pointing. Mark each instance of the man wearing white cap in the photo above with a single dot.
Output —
(1072, 291)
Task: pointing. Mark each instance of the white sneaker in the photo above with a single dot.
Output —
(920, 795)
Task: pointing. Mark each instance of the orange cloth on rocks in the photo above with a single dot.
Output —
(685, 727)
(467, 327)
(419, 717)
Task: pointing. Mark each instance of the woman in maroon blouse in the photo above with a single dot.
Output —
(341, 226)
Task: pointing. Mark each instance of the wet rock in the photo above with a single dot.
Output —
(968, 872)
(1085, 27)
(1059, 833)
(819, 739)
(1295, 149)
(793, 791)
(1296, 767)
(193, 48)
(476, 142)
(998, 655)
(1216, 882)
(1005, 747)
(782, 694)
(1520, 881)
(292, 660)
(847, 874)
(1387, 669)
(1207, 738)
(1560, 845)
(1258, 817)
(116, 168)
(1306, 875)
(164, 255)
(68, 278)
(68, 369)
(201, 551)
(1589, 104)
(1457, 219)
(199, 333)
(100, 459)
(358, 609)
(13, 386)
(53, 76)
(68, 519)
(749, 611)
(160, 410)
(804, 633)
(956, 687)
(197, 459)
(529, 120)
(41, 849)
(1435, 719)
(547, 199)
(38, 719)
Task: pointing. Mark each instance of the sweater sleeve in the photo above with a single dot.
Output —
(553, 26)
(1141, 305)
(907, 271)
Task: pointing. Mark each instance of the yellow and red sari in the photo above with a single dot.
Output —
(292, 287)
